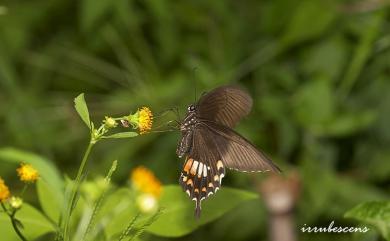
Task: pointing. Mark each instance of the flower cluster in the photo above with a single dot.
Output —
(27, 174)
(141, 120)
(146, 182)
(11, 204)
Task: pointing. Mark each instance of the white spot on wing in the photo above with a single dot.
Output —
(194, 167)
(200, 169)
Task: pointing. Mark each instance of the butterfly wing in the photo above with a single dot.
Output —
(225, 105)
(237, 152)
(203, 169)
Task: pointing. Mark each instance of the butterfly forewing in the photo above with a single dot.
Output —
(225, 105)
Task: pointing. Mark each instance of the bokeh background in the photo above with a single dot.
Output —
(318, 71)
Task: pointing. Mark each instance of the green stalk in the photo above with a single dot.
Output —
(75, 189)
(13, 221)
(362, 54)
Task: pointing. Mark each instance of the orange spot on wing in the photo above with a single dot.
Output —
(188, 165)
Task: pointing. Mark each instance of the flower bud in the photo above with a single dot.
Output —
(16, 202)
(109, 123)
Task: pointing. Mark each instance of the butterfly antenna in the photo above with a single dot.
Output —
(194, 79)
(169, 124)
(165, 112)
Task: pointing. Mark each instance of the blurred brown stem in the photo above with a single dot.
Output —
(280, 195)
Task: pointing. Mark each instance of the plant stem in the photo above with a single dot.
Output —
(127, 230)
(13, 221)
(24, 189)
(75, 189)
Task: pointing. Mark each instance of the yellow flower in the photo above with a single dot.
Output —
(27, 173)
(145, 181)
(145, 120)
(4, 191)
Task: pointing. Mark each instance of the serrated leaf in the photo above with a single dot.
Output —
(82, 109)
(122, 135)
(376, 213)
(178, 217)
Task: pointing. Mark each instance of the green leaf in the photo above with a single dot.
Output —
(47, 170)
(348, 123)
(376, 213)
(122, 135)
(310, 20)
(51, 203)
(178, 217)
(82, 109)
(326, 58)
(119, 209)
(314, 103)
(35, 224)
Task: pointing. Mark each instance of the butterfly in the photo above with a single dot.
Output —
(209, 144)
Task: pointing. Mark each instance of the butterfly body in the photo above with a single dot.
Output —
(209, 143)
(186, 128)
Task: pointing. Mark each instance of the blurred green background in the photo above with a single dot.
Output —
(318, 71)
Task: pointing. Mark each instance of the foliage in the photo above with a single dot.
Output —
(62, 212)
(374, 213)
(318, 72)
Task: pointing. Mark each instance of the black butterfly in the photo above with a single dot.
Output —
(209, 144)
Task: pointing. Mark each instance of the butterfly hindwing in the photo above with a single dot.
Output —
(199, 181)
(237, 152)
